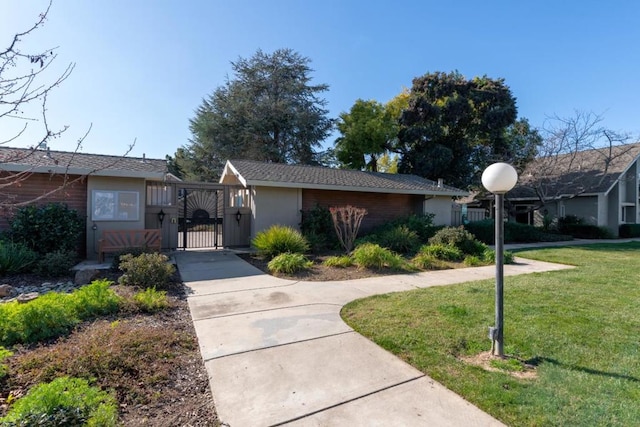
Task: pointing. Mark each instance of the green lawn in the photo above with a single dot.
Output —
(581, 327)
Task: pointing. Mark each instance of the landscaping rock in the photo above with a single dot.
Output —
(84, 277)
(22, 298)
(6, 290)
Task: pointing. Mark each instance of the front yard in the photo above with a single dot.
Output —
(578, 328)
(143, 352)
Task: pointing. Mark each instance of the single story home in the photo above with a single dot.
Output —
(125, 193)
(278, 193)
(599, 185)
(111, 192)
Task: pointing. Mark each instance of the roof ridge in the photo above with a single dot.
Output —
(35, 150)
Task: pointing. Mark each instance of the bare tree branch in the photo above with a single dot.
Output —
(578, 155)
(22, 88)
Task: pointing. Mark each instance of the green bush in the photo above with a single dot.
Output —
(489, 256)
(473, 261)
(16, 258)
(425, 261)
(147, 270)
(151, 300)
(399, 239)
(64, 401)
(289, 263)
(514, 232)
(4, 369)
(459, 238)
(629, 230)
(278, 240)
(317, 227)
(57, 263)
(343, 261)
(422, 225)
(586, 231)
(117, 258)
(54, 314)
(95, 299)
(47, 228)
(371, 255)
(442, 252)
(483, 230)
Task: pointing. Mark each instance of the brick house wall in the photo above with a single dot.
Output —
(381, 207)
(74, 195)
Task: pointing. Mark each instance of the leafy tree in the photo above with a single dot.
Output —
(368, 132)
(453, 127)
(268, 111)
(388, 163)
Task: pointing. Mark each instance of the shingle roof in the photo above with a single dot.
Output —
(49, 161)
(300, 176)
(577, 173)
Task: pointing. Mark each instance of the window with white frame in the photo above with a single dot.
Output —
(108, 205)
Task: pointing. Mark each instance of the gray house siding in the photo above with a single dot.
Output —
(585, 207)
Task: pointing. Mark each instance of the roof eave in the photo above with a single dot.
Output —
(81, 171)
(258, 183)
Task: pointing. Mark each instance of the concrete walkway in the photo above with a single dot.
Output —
(278, 353)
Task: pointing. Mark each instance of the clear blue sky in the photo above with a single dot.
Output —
(143, 66)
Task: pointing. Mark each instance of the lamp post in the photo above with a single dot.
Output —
(499, 178)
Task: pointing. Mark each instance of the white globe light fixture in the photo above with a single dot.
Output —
(499, 178)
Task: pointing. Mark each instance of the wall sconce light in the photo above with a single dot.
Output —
(161, 215)
(238, 216)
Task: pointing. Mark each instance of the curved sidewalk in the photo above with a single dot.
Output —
(278, 353)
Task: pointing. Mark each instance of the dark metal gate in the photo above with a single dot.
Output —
(200, 217)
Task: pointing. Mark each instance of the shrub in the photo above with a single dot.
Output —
(54, 314)
(576, 227)
(425, 261)
(16, 258)
(317, 228)
(4, 354)
(151, 300)
(629, 230)
(472, 261)
(95, 299)
(47, 228)
(47, 317)
(339, 261)
(459, 238)
(117, 258)
(483, 230)
(400, 239)
(442, 252)
(279, 239)
(289, 263)
(422, 225)
(57, 263)
(370, 255)
(586, 231)
(63, 402)
(489, 256)
(514, 232)
(146, 270)
(346, 222)
(134, 359)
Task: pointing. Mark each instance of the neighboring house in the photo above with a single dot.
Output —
(277, 193)
(109, 191)
(599, 185)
